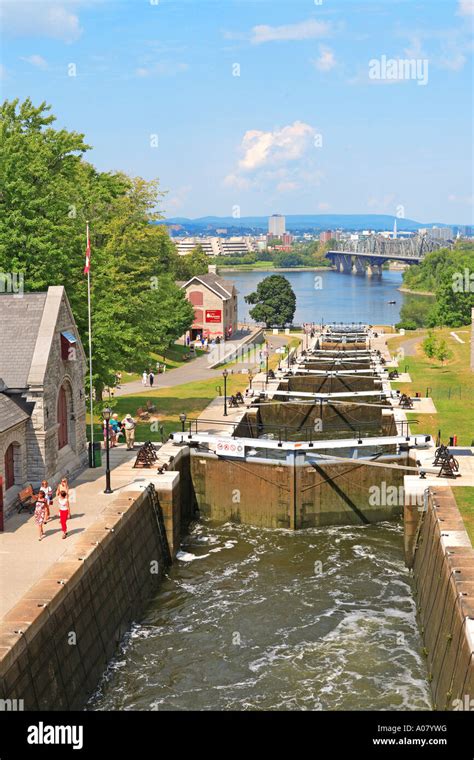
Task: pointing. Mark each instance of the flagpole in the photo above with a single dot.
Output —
(90, 350)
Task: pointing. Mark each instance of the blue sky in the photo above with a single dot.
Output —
(261, 107)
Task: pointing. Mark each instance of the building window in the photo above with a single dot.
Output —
(198, 316)
(10, 467)
(196, 298)
(62, 419)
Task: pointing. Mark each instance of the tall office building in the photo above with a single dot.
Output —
(276, 225)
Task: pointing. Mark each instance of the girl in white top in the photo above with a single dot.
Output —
(64, 513)
(48, 493)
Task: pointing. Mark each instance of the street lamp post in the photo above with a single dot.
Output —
(106, 415)
(224, 375)
(266, 365)
(183, 419)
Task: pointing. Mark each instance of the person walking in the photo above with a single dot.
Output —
(64, 511)
(64, 486)
(144, 377)
(151, 378)
(116, 429)
(129, 427)
(48, 492)
(40, 513)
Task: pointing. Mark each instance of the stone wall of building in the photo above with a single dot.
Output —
(44, 459)
(15, 435)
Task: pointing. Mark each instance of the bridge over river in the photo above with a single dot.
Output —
(368, 256)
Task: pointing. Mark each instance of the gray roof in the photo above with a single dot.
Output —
(10, 413)
(223, 288)
(20, 318)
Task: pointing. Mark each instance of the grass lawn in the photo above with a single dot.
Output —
(456, 413)
(190, 398)
(173, 359)
(464, 496)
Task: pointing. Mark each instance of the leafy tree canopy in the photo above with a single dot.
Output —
(47, 193)
(274, 301)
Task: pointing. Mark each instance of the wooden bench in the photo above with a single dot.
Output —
(142, 413)
(27, 499)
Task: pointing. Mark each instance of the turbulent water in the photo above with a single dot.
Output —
(272, 620)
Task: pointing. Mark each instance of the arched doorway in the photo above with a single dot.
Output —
(62, 419)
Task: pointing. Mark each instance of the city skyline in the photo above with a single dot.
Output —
(261, 106)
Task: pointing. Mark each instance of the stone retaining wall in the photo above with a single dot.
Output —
(442, 558)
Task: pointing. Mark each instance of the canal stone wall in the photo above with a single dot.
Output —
(441, 556)
(56, 642)
(291, 495)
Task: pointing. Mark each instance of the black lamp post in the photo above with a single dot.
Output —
(266, 365)
(224, 375)
(106, 415)
(183, 418)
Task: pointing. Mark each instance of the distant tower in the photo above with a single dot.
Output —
(276, 225)
(395, 229)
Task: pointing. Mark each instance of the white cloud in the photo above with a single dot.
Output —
(277, 147)
(43, 18)
(35, 60)
(326, 60)
(467, 200)
(304, 30)
(386, 204)
(176, 201)
(287, 187)
(281, 160)
(235, 180)
(466, 8)
(455, 63)
(164, 69)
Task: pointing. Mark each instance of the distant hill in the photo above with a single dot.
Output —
(308, 222)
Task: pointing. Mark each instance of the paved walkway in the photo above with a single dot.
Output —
(24, 559)
(199, 369)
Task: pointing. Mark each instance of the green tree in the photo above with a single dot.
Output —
(193, 263)
(442, 352)
(47, 192)
(274, 301)
(430, 345)
(415, 312)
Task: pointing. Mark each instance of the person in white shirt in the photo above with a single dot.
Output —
(129, 427)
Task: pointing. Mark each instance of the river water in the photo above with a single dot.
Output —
(266, 619)
(331, 296)
(269, 619)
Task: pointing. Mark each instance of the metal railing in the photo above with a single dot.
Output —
(292, 433)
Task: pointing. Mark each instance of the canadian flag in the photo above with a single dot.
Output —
(87, 267)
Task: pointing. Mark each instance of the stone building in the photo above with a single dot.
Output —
(42, 400)
(215, 306)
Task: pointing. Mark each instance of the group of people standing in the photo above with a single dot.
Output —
(44, 503)
(116, 429)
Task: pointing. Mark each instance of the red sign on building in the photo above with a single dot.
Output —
(213, 315)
